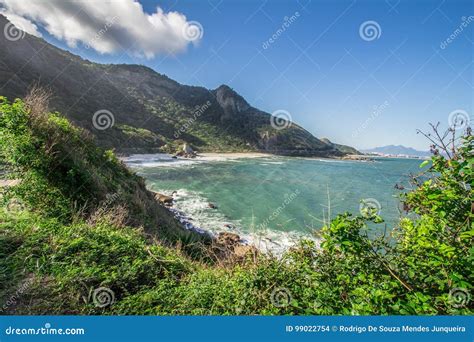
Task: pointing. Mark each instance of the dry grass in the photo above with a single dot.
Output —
(37, 101)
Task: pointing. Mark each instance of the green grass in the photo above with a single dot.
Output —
(70, 261)
(86, 223)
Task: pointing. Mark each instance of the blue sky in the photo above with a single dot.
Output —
(319, 69)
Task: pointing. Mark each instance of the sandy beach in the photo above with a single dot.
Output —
(226, 156)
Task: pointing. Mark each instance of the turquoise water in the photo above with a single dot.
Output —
(277, 197)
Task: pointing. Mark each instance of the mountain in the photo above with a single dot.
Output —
(343, 148)
(132, 108)
(398, 150)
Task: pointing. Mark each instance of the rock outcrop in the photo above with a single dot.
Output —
(229, 248)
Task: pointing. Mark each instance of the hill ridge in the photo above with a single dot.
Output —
(145, 108)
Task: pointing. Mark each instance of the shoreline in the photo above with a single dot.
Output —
(197, 213)
(192, 211)
(236, 154)
(268, 241)
(217, 156)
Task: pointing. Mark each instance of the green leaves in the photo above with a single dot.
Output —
(426, 162)
(411, 270)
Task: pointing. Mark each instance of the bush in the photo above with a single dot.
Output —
(73, 239)
(64, 175)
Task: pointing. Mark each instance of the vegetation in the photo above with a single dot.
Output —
(61, 241)
(184, 123)
(64, 175)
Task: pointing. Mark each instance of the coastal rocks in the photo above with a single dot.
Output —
(229, 248)
(186, 152)
(358, 158)
(186, 223)
(227, 239)
(184, 155)
(164, 199)
(399, 187)
(242, 251)
(226, 247)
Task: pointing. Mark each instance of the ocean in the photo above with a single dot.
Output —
(274, 201)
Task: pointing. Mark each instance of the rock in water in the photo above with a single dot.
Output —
(164, 199)
(186, 152)
(228, 248)
(187, 149)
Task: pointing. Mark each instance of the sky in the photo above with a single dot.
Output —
(361, 73)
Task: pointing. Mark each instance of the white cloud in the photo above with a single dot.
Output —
(21, 23)
(109, 26)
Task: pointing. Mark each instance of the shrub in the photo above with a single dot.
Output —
(74, 239)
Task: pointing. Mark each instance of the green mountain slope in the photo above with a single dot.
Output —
(150, 112)
(343, 148)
